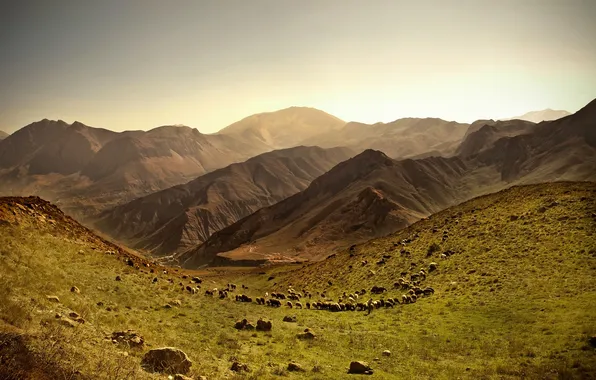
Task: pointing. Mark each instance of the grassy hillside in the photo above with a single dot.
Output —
(515, 298)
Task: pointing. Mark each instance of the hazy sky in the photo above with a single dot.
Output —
(131, 64)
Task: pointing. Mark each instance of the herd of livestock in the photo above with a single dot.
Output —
(355, 301)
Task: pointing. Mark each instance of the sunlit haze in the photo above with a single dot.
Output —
(140, 64)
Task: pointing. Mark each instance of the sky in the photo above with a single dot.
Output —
(138, 64)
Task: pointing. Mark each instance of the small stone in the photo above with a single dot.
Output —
(73, 314)
(118, 278)
(386, 353)
(307, 335)
(295, 367)
(67, 322)
(76, 290)
(239, 367)
(180, 376)
(53, 299)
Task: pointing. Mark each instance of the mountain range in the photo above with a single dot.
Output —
(187, 214)
(371, 195)
(294, 184)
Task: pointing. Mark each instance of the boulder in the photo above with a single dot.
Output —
(360, 368)
(263, 325)
(167, 360)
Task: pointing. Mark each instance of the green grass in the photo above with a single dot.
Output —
(517, 299)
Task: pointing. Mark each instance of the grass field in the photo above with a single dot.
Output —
(515, 299)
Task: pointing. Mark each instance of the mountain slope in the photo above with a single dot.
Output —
(563, 149)
(543, 115)
(483, 137)
(188, 214)
(3, 135)
(366, 196)
(399, 139)
(284, 128)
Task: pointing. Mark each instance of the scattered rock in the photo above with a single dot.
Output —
(361, 368)
(290, 318)
(307, 334)
(386, 353)
(295, 367)
(64, 321)
(129, 337)
(513, 218)
(81, 252)
(100, 304)
(263, 325)
(73, 314)
(166, 359)
(176, 303)
(76, 290)
(592, 341)
(239, 367)
(249, 326)
(53, 299)
(118, 278)
(180, 376)
(167, 306)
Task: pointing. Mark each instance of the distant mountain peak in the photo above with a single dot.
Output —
(547, 114)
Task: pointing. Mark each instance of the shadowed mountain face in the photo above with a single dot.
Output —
(3, 135)
(188, 214)
(483, 134)
(366, 196)
(370, 194)
(285, 128)
(86, 169)
(399, 139)
(544, 115)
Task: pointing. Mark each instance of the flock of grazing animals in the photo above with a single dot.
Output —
(346, 302)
